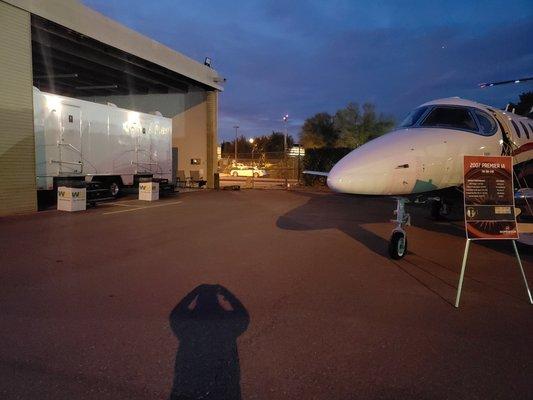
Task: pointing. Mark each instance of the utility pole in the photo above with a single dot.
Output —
(299, 154)
(235, 144)
(286, 121)
(251, 140)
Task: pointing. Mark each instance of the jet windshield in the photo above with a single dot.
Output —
(450, 117)
(413, 117)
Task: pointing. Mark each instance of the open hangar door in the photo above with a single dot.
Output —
(70, 64)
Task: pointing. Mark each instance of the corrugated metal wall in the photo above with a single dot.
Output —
(212, 119)
(17, 145)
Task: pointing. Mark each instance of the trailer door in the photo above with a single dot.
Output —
(70, 145)
(144, 147)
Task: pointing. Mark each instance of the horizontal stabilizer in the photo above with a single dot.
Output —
(316, 173)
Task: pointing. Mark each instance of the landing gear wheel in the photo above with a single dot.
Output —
(114, 188)
(398, 245)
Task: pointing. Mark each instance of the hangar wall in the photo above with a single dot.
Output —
(17, 146)
(194, 125)
(212, 139)
(189, 133)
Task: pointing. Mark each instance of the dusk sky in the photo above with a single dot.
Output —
(303, 57)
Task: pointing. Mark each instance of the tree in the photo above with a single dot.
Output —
(524, 105)
(346, 122)
(243, 146)
(319, 131)
(356, 128)
(272, 143)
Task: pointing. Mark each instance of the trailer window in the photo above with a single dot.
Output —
(486, 123)
(413, 117)
(516, 128)
(525, 129)
(451, 118)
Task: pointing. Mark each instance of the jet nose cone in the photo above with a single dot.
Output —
(337, 180)
(379, 167)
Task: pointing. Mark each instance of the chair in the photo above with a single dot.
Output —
(195, 178)
(181, 180)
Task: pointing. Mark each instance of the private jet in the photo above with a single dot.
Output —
(422, 160)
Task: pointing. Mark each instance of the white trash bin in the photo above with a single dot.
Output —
(148, 191)
(71, 199)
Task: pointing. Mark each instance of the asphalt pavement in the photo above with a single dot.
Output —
(266, 294)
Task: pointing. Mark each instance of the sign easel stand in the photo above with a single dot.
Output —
(463, 268)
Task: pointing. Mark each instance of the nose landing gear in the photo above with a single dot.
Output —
(398, 239)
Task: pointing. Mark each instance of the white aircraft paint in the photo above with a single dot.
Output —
(420, 159)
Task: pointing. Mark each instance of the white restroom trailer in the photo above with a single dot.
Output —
(109, 148)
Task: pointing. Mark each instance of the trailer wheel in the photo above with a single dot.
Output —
(114, 188)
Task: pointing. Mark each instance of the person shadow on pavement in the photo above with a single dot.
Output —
(207, 323)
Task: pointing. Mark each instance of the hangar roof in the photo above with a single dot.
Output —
(130, 47)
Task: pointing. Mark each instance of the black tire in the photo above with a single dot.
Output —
(235, 173)
(397, 245)
(256, 175)
(114, 189)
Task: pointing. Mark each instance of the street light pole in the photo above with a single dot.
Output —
(286, 121)
(235, 144)
(299, 154)
(251, 140)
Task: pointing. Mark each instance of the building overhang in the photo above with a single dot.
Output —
(79, 52)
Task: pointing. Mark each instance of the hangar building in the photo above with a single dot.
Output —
(64, 47)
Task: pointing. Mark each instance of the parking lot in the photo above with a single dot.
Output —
(85, 300)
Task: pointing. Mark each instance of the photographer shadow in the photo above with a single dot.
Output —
(207, 323)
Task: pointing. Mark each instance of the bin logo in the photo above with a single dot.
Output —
(75, 195)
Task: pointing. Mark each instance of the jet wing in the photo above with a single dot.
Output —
(318, 173)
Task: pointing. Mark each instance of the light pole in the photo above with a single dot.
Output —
(235, 144)
(286, 121)
(299, 154)
(251, 140)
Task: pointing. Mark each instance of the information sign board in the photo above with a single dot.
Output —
(488, 198)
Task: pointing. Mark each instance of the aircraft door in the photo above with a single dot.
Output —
(144, 147)
(505, 129)
(70, 152)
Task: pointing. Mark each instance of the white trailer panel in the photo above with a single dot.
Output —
(77, 138)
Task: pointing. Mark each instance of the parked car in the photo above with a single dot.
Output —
(245, 170)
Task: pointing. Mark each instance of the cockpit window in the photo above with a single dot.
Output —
(450, 117)
(516, 128)
(413, 117)
(525, 129)
(486, 123)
